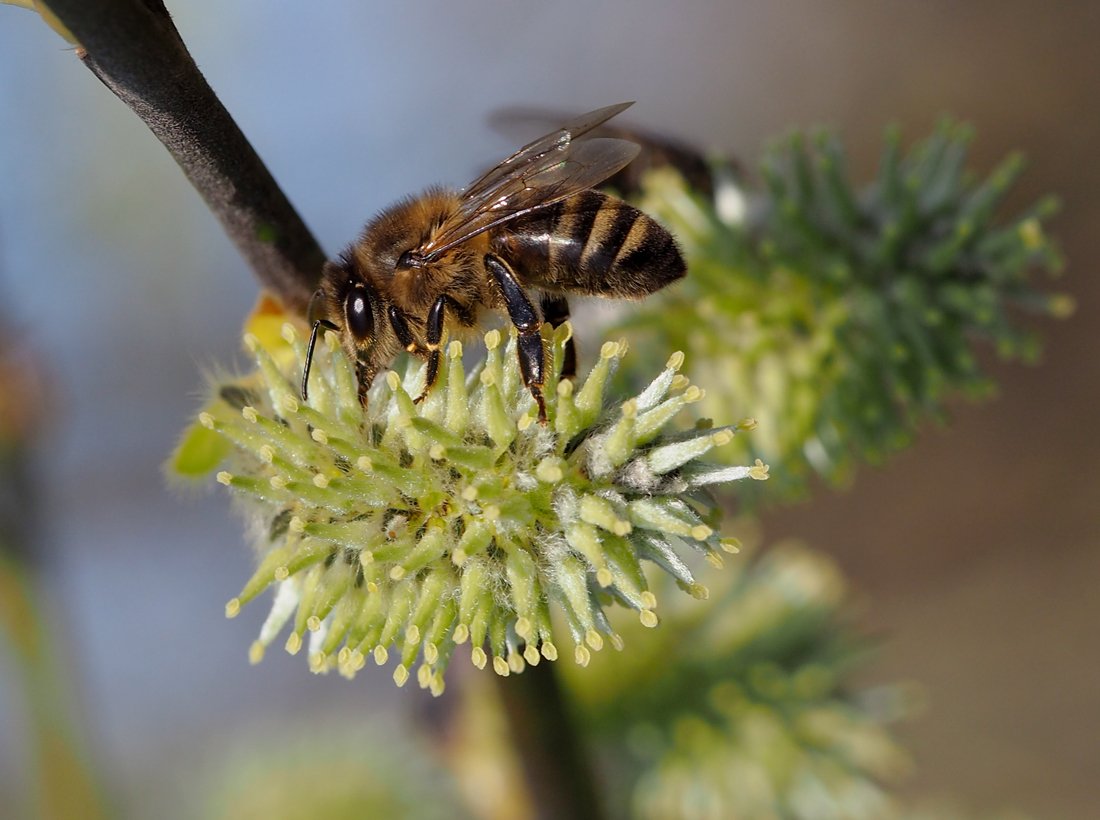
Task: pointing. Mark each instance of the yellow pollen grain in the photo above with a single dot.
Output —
(364, 464)
(694, 393)
(278, 482)
(281, 573)
(549, 471)
(609, 350)
(400, 675)
(397, 573)
(437, 452)
(649, 600)
(675, 361)
(747, 424)
(454, 349)
(582, 656)
(617, 642)
(722, 438)
(516, 663)
(296, 524)
(343, 656)
(730, 544)
(461, 634)
(393, 381)
(593, 639)
(500, 666)
(313, 623)
(531, 655)
(267, 453)
(412, 634)
(715, 560)
(225, 478)
(431, 653)
(458, 557)
(289, 405)
(679, 382)
(699, 592)
(469, 493)
(604, 577)
(256, 652)
(381, 655)
(206, 420)
(487, 378)
(523, 627)
(549, 651)
(701, 532)
(648, 618)
(477, 657)
(759, 471)
(366, 557)
(318, 662)
(565, 389)
(294, 643)
(233, 608)
(318, 435)
(357, 660)
(492, 339)
(622, 527)
(491, 513)
(437, 685)
(320, 481)
(423, 675)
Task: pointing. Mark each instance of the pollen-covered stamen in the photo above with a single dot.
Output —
(403, 530)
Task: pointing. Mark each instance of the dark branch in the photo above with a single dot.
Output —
(133, 47)
(554, 760)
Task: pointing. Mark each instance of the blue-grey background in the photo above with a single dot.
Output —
(975, 552)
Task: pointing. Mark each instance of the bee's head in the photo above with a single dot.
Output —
(346, 303)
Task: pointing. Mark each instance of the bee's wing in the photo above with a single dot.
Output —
(541, 173)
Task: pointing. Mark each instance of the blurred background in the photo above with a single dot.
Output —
(974, 552)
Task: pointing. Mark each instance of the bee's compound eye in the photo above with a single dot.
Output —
(360, 316)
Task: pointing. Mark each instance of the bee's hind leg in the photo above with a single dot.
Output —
(555, 310)
(532, 357)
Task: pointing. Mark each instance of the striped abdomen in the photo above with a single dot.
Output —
(591, 243)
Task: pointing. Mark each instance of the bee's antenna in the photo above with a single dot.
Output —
(309, 358)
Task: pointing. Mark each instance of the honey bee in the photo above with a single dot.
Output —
(528, 231)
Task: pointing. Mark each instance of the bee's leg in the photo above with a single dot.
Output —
(434, 337)
(522, 313)
(555, 310)
(364, 377)
(401, 328)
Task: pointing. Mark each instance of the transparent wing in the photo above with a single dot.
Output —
(541, 173)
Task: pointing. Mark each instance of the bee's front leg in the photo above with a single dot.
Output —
(532, 357)
(434, 337)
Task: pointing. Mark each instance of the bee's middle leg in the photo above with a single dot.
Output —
(555, 310)
(532, 357)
